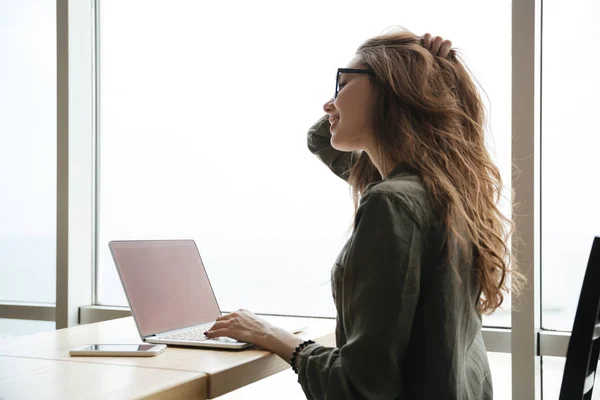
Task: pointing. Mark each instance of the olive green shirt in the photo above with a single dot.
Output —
(407, 321)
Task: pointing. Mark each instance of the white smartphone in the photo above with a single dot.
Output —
(119, 350)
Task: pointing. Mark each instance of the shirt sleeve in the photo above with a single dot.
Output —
(380, 290)
(319, 143)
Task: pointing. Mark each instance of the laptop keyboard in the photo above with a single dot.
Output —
(191, 334)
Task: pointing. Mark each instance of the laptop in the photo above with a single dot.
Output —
(169, 293)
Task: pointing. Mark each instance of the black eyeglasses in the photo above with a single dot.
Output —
(349, 71)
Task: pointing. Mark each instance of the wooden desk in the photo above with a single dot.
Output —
(226, 370)
(33, 378)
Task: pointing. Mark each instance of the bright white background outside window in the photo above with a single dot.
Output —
(553, 373)
(570, 159)
(28, 151)
(20, 327)
(204, 114)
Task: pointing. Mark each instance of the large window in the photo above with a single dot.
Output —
(570, 162)
(27, 152)
(204, 114)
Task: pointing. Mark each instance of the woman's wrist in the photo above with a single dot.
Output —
(282, 343)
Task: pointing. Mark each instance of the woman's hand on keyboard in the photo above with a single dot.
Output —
(242, 325)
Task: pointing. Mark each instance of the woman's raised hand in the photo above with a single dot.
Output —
(437, 45)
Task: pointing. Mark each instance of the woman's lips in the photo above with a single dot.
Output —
(333, 123)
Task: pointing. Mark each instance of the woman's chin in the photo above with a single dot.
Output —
(339, 145)
(335, 144)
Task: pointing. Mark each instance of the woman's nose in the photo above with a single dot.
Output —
(327, 107)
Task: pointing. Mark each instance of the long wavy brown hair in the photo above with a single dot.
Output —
(429, 115)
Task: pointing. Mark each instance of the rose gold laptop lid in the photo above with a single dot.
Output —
(165, 283)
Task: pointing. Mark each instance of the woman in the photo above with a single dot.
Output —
(428, 252)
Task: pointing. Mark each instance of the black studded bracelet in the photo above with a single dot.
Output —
(297, 351)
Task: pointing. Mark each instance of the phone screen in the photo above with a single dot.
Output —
(120, 347)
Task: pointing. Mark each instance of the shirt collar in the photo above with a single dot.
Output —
(401, 169)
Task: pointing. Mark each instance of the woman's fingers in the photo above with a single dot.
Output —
(225, 317)
(222, 324)
(226, 321)
(427, 38)
(445, 48)
(218, 333)
(437, 45)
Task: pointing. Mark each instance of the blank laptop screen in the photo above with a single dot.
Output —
(165, 283)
